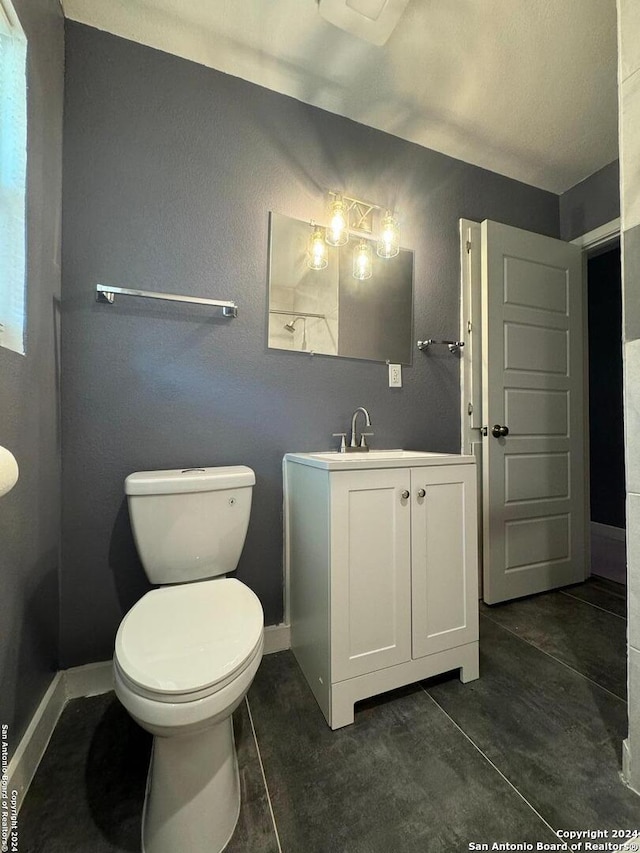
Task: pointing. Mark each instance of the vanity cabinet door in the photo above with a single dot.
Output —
(370, 571)
(444, 558)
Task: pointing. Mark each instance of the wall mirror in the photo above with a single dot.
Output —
(328, 311)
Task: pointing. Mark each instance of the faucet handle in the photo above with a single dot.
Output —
(343, 442)
(363, 438)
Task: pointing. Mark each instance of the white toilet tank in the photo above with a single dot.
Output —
(190, 524)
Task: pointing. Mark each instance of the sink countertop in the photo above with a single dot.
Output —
(333, 460)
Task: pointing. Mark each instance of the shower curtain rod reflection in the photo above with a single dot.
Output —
(296, 313)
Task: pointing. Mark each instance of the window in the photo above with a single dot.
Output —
(13, 168)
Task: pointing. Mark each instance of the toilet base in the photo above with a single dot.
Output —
(192, 801)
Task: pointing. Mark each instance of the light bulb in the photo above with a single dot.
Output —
(389, 242)
(338, 231)
(362, 261)
(317, 251)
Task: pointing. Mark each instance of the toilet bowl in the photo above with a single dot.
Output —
(186, 653)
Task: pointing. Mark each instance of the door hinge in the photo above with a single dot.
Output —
(485, 430)
(468, 246)
(470, 409)
(469, 326)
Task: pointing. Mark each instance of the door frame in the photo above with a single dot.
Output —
(592, 243)
(598, 239)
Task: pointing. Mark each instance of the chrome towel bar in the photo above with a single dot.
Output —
(107, 293)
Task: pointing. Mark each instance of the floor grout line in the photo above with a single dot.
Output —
(557, 660)
(591, 604)
(264, 778)
(492, 764)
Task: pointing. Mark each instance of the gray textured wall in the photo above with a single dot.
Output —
(30, 514)
(170, 170)
(591, 203)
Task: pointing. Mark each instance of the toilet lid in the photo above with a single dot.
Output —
(182, 639)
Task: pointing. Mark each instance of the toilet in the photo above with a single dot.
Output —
(187, 652)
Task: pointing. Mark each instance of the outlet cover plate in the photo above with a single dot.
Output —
(395, 376)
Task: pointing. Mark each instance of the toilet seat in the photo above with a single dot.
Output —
(183, 643)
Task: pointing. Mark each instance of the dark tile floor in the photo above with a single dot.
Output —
(534, 745)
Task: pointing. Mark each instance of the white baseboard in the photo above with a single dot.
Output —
(30, 750)
(277, 638)
(91, 680)
(626, 759)
(608, 531)
(626, 767)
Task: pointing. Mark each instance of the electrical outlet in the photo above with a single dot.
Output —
(395, 376)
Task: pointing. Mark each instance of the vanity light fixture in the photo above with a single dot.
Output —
(362, 261)
(349, 215)
(337, 233)
(389, 240)
(317, 251)
(353, 217)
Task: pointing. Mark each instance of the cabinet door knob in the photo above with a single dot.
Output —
(404, 494)
(421, 493)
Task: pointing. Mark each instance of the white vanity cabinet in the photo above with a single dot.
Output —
(381, 554)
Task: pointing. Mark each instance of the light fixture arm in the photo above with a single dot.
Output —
(358, 213)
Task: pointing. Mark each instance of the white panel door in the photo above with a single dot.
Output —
(532, 367)
(444, 554)
(370, 571)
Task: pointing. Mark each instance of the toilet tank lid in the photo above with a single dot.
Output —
(181, 480)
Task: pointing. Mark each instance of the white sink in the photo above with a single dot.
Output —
(333, 459)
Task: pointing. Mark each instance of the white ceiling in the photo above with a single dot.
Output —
(526, 88)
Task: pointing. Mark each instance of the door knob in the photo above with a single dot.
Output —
(498, 431)
(404, 494)
(421, 493)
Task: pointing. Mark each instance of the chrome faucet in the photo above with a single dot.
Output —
(354, 446)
